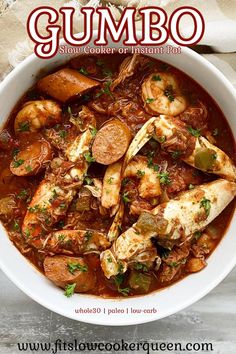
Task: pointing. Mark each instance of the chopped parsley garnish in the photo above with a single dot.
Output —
(150, 100)
(120, 268)
(62, 206)
(125, 197)
(140, 173)
(109, 259)
(106, 90)
(72, 267)
(88, 157)
(164, 178)
(107, 72)
(194, 132)
(15, 151)
(161, 139)
(197, 235)
(61, 224)
(70, 289)
(37, 208)
(176, 264)
(23, 194)
(140, 266)
(27, 233)
(191, 186)
(156, 78)
(88, 235)
(16, 226)
(93, 132)
(169, 93)
(28, 168)
(206, 204)
(125, 181)
(83, 71)
(214, 156)
(23, 127)
(18, 163)
(54, 194)
(62, 134)
(118, 281)
(110, 180)
(124, 291)
(88, 180)
(33, 209)
(61, 237)
(176, 154)
(151, 164)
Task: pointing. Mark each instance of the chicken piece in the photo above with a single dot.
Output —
(36, 115)
(161, 94)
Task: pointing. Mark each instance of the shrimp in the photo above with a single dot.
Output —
(161, 94)
(174, 136)
(111, 185)
(36, 115)
(171, 222)
(149, 186)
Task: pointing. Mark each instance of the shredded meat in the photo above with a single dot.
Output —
(172, 263)
(196, 117)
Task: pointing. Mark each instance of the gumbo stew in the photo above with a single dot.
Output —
(116, 175)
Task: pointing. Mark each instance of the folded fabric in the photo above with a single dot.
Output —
(220, 18)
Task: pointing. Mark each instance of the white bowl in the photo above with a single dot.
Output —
(155, 305)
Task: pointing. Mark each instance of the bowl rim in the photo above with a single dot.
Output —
(130, 320)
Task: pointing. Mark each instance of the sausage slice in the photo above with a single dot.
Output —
(66, 84)
(111, 142)
(64, 270)
(32, 160)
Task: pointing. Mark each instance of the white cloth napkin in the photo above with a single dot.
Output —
(220, 18)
